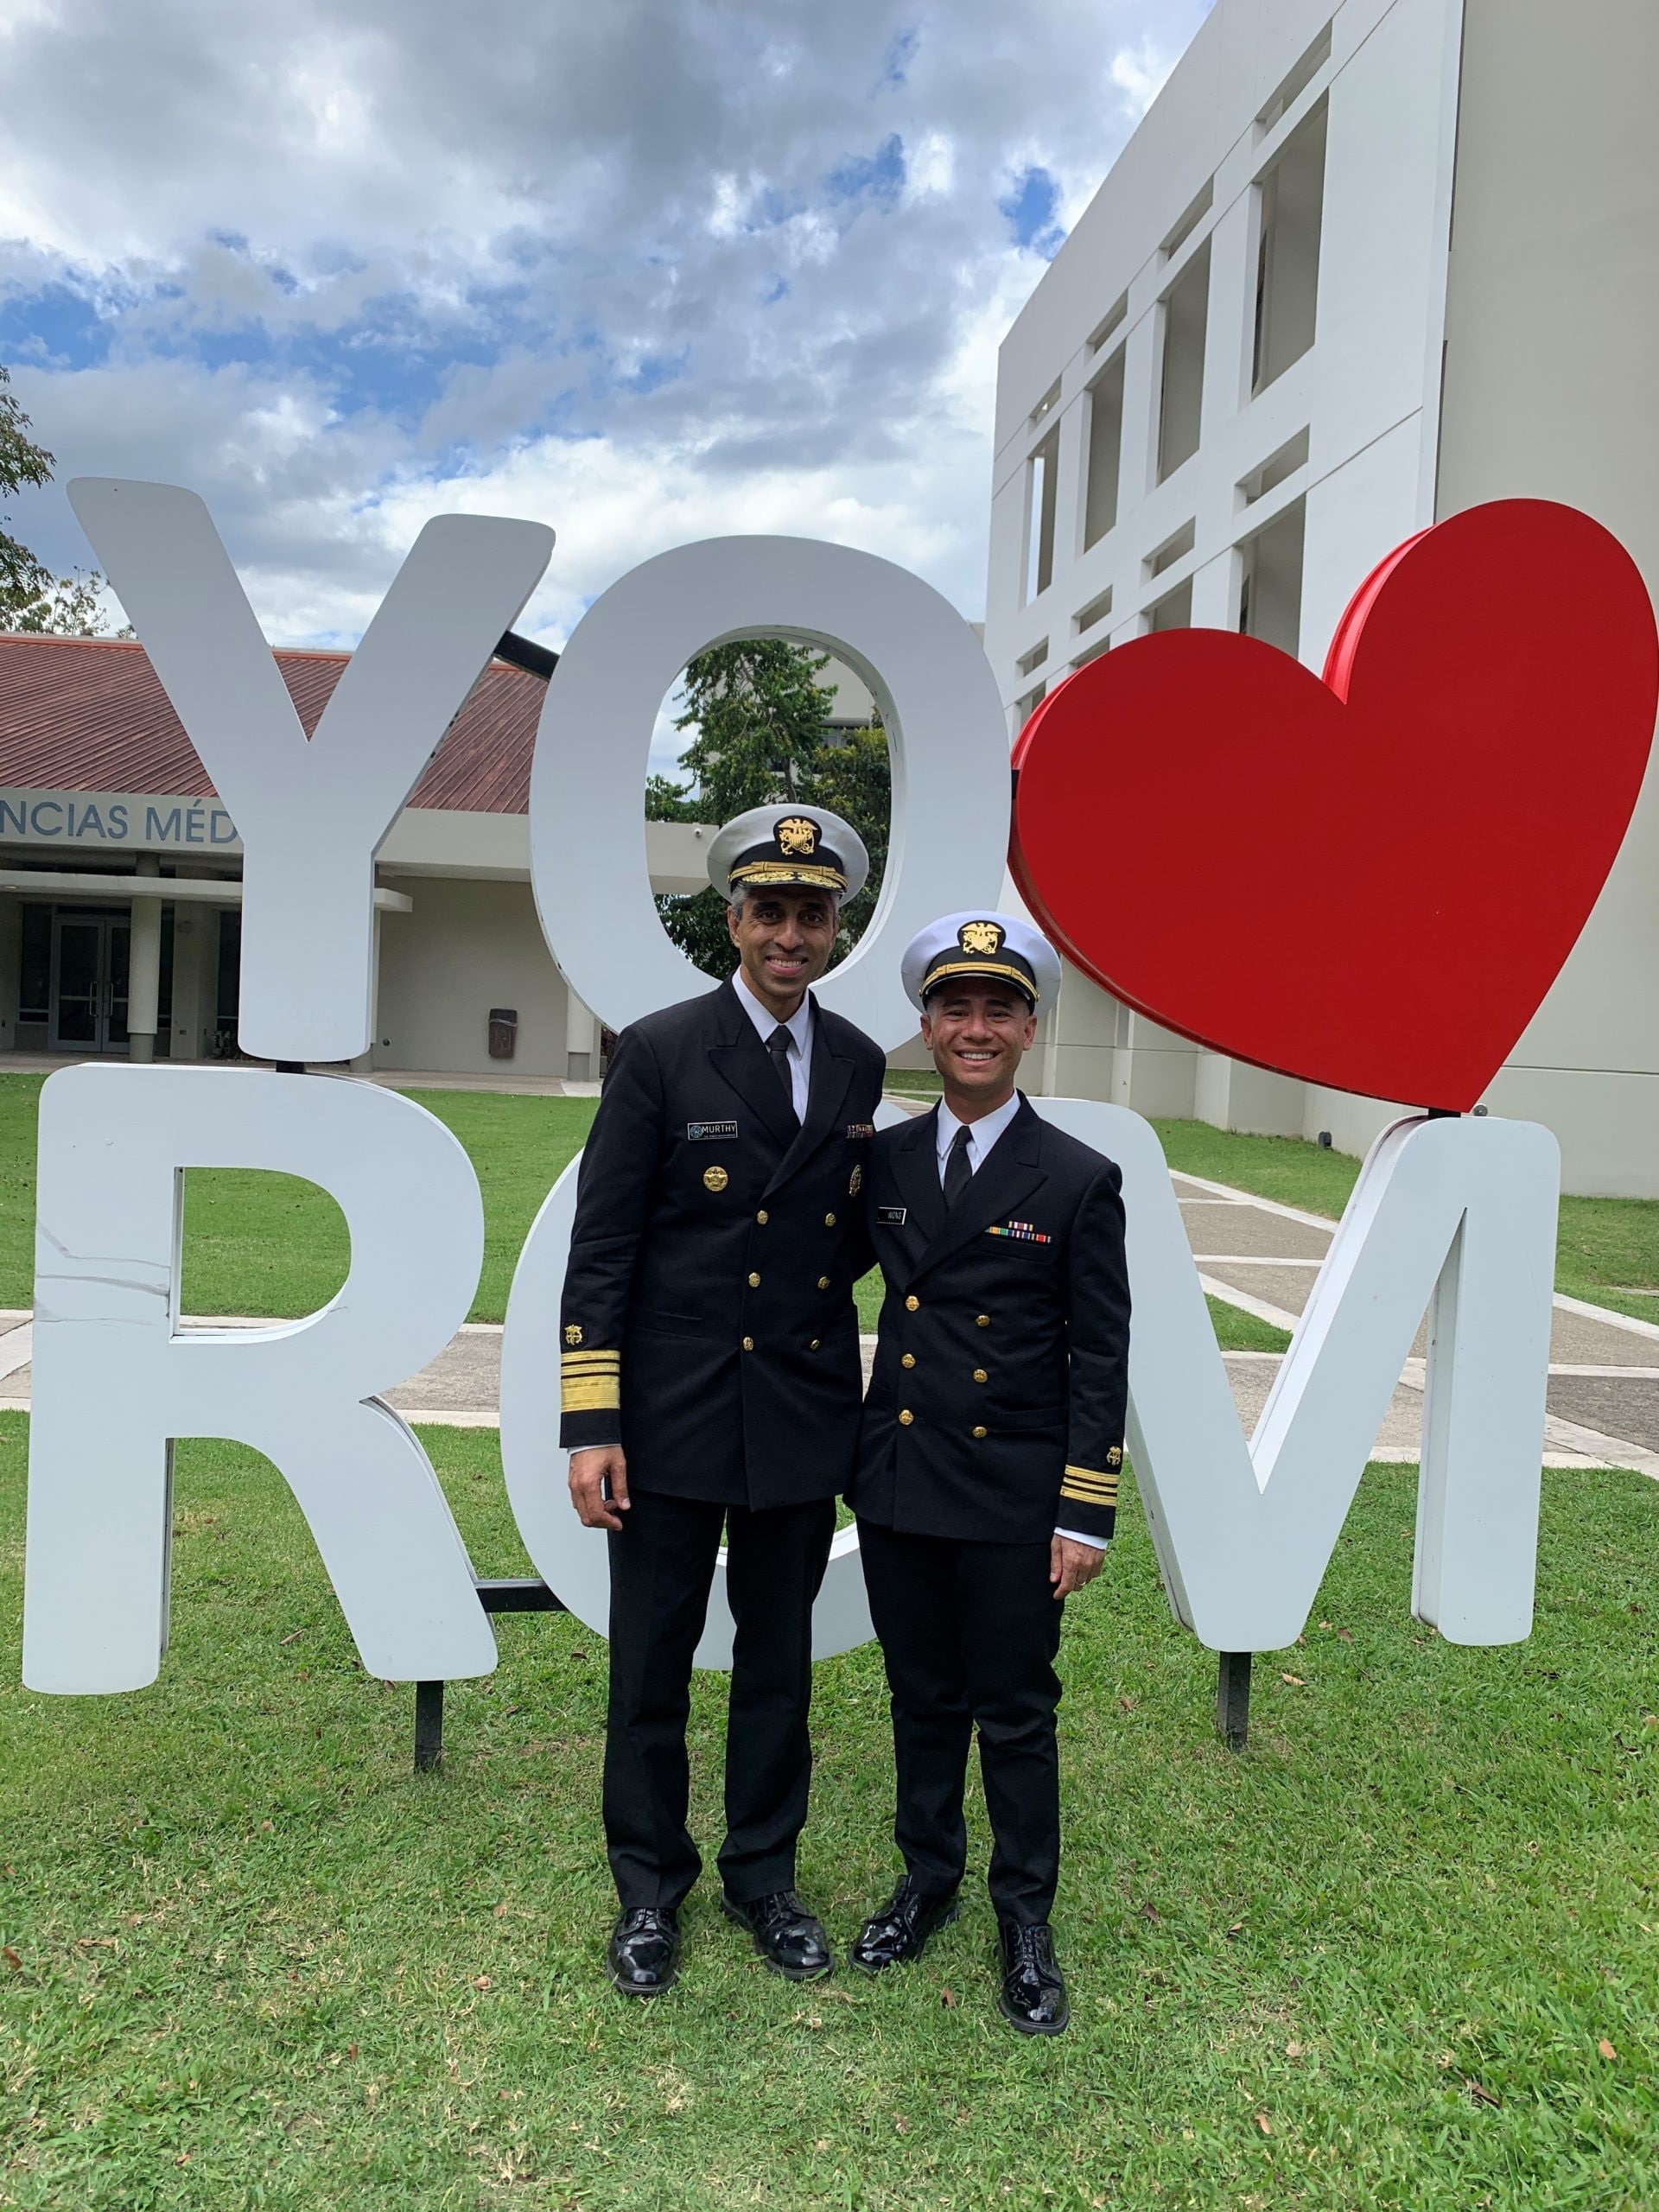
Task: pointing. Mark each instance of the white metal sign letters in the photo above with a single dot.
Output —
(1456, 1214)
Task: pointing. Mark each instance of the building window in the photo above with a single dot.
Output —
(1275, 470)
(1174, 613)
(1026, 707)
(1104, 432)
(1174, 548)
(1110, 324)
(1028, 664)
(34, 973)
(1270, 588)
(1096, 611)
(227, 983)
(1287, 259)
(1180, 408)
(1042, 484)
(1297, 83)
(1190, 221)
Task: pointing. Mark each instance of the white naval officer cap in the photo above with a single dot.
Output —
(977, 943)
(788, 849)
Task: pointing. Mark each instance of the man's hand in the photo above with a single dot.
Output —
(589, 1472)
(1070, 1565)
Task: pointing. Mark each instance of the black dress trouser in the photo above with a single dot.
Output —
(969, 1632)
(662, 1570)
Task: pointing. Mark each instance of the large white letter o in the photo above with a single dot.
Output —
(949, 842)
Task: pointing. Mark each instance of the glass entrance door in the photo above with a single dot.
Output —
(91, 956)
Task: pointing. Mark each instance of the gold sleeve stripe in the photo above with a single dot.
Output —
(591, 1393)
(1084, 1485)
(579, 1360)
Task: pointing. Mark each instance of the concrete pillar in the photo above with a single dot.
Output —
(580, 1040)
(144, 969)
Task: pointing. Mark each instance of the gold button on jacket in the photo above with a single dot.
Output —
(913, 1304)
(909, 1360)
(754, 1282)
(980, 1376)
(905, 1416)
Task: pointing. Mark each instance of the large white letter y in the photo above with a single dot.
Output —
(312, 815)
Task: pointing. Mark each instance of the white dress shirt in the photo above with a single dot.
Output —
(982, 1134)
(799, 1027)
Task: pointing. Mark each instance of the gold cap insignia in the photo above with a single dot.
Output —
(1114, 1456)
(981, 937)
(857, 1183)
(796, 836)
(573, 1332)
(715, 1179)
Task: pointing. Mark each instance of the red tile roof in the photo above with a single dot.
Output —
(90, 714)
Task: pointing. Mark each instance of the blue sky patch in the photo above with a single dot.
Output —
(1029, 209)
(878, 176)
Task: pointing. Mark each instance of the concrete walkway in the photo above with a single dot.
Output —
(1254, 1254)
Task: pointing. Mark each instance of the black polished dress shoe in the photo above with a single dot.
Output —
(899, 1932)
(1033, 1998)
(645, 1951)
(788, 1938)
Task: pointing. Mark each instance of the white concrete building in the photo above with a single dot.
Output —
(121, 878)
(1361, 266)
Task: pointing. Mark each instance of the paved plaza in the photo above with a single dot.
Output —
(1255, 1253)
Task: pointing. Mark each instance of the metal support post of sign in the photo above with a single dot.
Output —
(1233, 1699)
(509, 1593)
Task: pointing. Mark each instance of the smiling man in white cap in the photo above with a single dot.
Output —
(711, 1380)
(990, 1446)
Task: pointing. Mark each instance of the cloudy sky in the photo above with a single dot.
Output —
(649, 270)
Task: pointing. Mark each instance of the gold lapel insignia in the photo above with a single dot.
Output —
(981, 937)
(573, 1332)
(797, 836)
(715, 1179)
(857, 1184)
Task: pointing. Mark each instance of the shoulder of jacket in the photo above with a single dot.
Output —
(889, 1139)
(673, 1025)
(847, 1039)
(1069, 1155)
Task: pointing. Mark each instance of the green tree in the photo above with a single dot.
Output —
(763, 733)
(31, 597)
(854, 780)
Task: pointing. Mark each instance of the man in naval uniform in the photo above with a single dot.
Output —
(989, 1450)
(711, 1381)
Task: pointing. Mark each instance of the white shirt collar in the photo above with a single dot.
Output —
(985, 1131)
(799, 1023)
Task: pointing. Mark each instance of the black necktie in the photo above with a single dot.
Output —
(777, 1045)
(958, 1168)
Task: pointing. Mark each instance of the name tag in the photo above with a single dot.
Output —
(892, 1216)
(703, 1132)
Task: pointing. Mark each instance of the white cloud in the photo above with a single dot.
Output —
(647, 272)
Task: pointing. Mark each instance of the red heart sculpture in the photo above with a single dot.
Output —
(1369, 881)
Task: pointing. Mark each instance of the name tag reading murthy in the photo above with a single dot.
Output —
(701, 1132)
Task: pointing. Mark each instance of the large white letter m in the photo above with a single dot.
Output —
(1453, 1215)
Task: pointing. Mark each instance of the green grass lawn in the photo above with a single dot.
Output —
(1402, 1953)
(1607, 1252)
(271, 1244)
